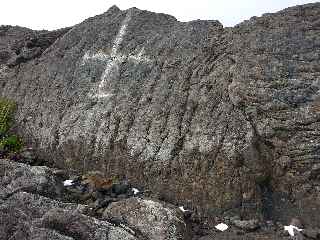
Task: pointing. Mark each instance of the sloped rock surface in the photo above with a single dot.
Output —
(224, 119)
(18, 45)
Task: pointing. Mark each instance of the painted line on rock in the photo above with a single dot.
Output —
(114, 60)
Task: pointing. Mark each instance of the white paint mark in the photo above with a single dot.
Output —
(114, 60)
(140, 57)
(291, 229)
(120, 35)
(97, 56)
(67, 183)
(135, 191)
(222, 227)
(184, 210)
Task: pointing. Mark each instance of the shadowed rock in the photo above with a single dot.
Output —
(28, 216)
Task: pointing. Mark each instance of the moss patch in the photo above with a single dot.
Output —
(8, 143)
(7, 109)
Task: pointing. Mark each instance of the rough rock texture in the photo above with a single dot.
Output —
(26, 214)
(17, 177)
(223, 119)
(18, 45)
(248, 225)
(154, 220)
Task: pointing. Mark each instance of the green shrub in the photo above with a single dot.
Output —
(11, 144)
(7, 109)
(8, 143)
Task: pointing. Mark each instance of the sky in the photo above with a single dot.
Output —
(54, 14)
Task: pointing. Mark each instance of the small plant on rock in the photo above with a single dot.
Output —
(8, 143)
(11, 144)
(7, 109)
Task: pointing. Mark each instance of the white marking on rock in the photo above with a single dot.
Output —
(222, 227)
(140, 57)
(291, 229)
(183, 210)
(67, 183)
(135, 191)
(99, 56)
(114, 60)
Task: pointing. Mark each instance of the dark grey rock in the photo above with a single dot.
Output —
(226, 118)
(152, 219)
(120, 188)
(248, 225)
(312, 233)
(122, 196)
(27, 216)
(232, 235)
(16, 177)
(107, 200)
(315, 172)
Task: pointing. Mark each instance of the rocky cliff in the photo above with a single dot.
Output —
(224, 120)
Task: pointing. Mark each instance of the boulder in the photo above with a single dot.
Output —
(248, 225)
(154, 220)
(16, 177)
(26, 216)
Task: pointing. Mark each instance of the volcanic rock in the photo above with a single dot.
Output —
(152, 219)
(219, 118)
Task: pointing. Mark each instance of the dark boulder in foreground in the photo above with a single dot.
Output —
(153, 219)
(225, 120)
(26, 214)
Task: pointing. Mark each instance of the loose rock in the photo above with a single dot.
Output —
(153, 219)
(248, 225)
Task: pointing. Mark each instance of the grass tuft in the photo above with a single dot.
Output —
(8, 143)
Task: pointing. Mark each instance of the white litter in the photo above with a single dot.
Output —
(222, 227)
(67, 183)
(183, 210)
(135, 191)
(291, 229)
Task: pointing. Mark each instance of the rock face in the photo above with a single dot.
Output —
(224, 119)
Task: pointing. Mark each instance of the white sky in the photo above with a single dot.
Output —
(53, 14)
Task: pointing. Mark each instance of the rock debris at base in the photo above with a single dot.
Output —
(34, 205)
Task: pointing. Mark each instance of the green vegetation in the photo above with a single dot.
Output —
(8, 143)
(263, 180)
(11, 144)
(7, 109)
